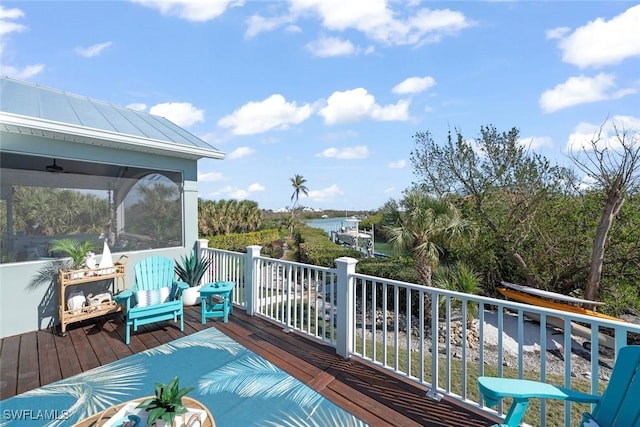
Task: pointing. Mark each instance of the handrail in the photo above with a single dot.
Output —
(401, 326)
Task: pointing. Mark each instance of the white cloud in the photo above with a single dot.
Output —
(257, 24)
(272, 113)
(581, 90)
(23, 73)
(397, 164)
(357, 104)
(535, 142)
(180, 113)
(602, 42)
(237, 193)
(191, 10)
(211, 177)
(326, 194)
(93, 50)
(587, 182)
(137, 106)
(390, 190)
(584, 133)
(557, 33)
(348, 153)
(330, 46)
(10, 14)
(7, 26)
(240, 152)
(374, 18)
(293, 29)
(256, 187)
(414, 85)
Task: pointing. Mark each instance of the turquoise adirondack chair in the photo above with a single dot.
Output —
(618, 406)
(156, 295)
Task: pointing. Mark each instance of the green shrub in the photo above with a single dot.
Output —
(314, 247)
(394, 268)
(239, 242)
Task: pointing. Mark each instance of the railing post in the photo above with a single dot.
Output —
(251, 280)
(202, 244)
(199, 247)
(345, 303)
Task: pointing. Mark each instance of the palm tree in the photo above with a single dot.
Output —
(425, 226)
(297, 182)
(459, 277)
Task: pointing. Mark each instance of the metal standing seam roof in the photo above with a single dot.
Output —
(29, 104)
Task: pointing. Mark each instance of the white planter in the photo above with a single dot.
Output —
(191, 296)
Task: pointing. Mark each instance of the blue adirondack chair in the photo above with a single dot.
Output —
(618, 406)
(156, 295)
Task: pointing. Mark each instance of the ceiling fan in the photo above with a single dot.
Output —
(54, 167)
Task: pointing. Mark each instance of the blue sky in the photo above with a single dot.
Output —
(335, 90)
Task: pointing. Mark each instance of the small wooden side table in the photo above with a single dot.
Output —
(216, 300)
(102, 417)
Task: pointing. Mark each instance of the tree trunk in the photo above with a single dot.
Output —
(423, 268)
(530, 277)
(614, 202)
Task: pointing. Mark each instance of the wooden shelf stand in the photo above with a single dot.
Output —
(81, 277)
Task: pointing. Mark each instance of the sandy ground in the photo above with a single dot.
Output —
(531, 347)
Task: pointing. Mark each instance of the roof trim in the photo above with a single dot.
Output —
(16, 123)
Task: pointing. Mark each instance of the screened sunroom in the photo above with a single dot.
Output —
(74, 167)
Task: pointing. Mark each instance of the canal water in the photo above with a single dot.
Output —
(334, 224)
(326, 224)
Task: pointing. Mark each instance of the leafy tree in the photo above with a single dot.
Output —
(504, 186)
(156, 213)
(620, 282)
(425, 226)
(613, 166)
(228, 216)
(46, 212)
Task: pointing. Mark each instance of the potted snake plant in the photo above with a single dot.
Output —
(190, 270)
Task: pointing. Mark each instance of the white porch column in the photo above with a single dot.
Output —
(199, 247)
(190, 219)
(252, 281)
(201, 244)
(345, 306)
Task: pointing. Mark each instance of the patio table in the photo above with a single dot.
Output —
(216, 300)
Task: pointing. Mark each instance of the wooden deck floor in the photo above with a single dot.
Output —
(378, 398)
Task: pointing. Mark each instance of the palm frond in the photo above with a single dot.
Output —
(209, 338)
(96, 389)
(256, 377)
(48, 274)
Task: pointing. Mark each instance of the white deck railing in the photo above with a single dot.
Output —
(400, 326)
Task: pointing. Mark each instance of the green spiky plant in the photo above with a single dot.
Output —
(167, 403)
(76, 249)
(191, 268)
